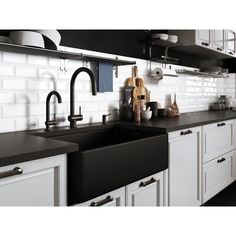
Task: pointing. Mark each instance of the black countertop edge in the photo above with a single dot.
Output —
(35, 155)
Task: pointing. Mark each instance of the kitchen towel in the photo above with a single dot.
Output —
(105, 77)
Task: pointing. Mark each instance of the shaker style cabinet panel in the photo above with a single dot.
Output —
(146, 192)
(218, 40)
(114, 198)
(217, 174)
(218, 139)
(185, 167)
(203, 38)
(230, 37)
(35, 183)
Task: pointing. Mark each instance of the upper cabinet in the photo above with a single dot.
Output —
(203, 38)
(218, 40)
(221, 43)
(230, 37)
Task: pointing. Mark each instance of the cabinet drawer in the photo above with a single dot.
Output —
(217, 174)
(34, 183)
(146, 192)
(218, 139)
(114, 198)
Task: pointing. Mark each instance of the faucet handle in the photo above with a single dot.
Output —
(104, 118)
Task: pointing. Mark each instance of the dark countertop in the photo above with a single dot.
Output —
(16, 147)
(187, 120)
(19, 147)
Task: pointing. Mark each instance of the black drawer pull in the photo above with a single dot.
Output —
(186, 132)
(220, 124)
(205, 44)
(144, 184)
(221, 160)
(231, 53)
(102, 202)
(219, 49)
(15, 171)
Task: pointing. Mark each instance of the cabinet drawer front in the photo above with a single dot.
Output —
(217, 174)
(184, 170)
(35, 183)
(114, 198)
(36, 189)
(146, 192)
(218, 138)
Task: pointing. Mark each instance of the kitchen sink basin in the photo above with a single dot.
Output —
(112, 157)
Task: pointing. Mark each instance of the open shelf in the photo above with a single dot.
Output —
(61, 54)
(200, 73)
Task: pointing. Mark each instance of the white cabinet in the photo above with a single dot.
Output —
(114, 198)
(217, 174)
(203, 38)
(222, 41)
(230, 37)
(218, 138)
(185, 167)
(35, 183)
(218, 40)
(146, 192)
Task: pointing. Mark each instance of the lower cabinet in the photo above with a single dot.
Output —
(34, 183)
(145, 192)
(114, 198)
(217, 174)
(185, 167)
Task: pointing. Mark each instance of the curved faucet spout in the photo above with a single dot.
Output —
(72, 117)
(48, 122)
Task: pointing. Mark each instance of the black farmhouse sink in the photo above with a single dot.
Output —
(112, 157)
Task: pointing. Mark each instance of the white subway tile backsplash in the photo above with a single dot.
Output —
(25, 71)
(10, 57)
(13, 84)
(37, 60)
(37, 109)
(6, 70)
(15, 110)
(48, 73)
(6, 97)
(26, 97)
(7, 125)
(26, 80)
(37, 85)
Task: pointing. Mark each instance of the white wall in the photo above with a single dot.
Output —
(25, 81)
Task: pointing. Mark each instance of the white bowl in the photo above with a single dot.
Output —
(160, 36)
(27, 38)
(146, 115)
(53, 35)
(173, 38)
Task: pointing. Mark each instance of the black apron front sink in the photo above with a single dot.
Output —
(112, 157)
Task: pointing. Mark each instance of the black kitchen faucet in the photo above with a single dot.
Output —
(72, 117)
(49, 122)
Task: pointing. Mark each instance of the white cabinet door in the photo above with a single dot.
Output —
(218, 138)
(146, 192)
(230, 37)
(218, 40)
(114, 198)
(217, 174)
(35, 183)
(185, 167)
(203, 38)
